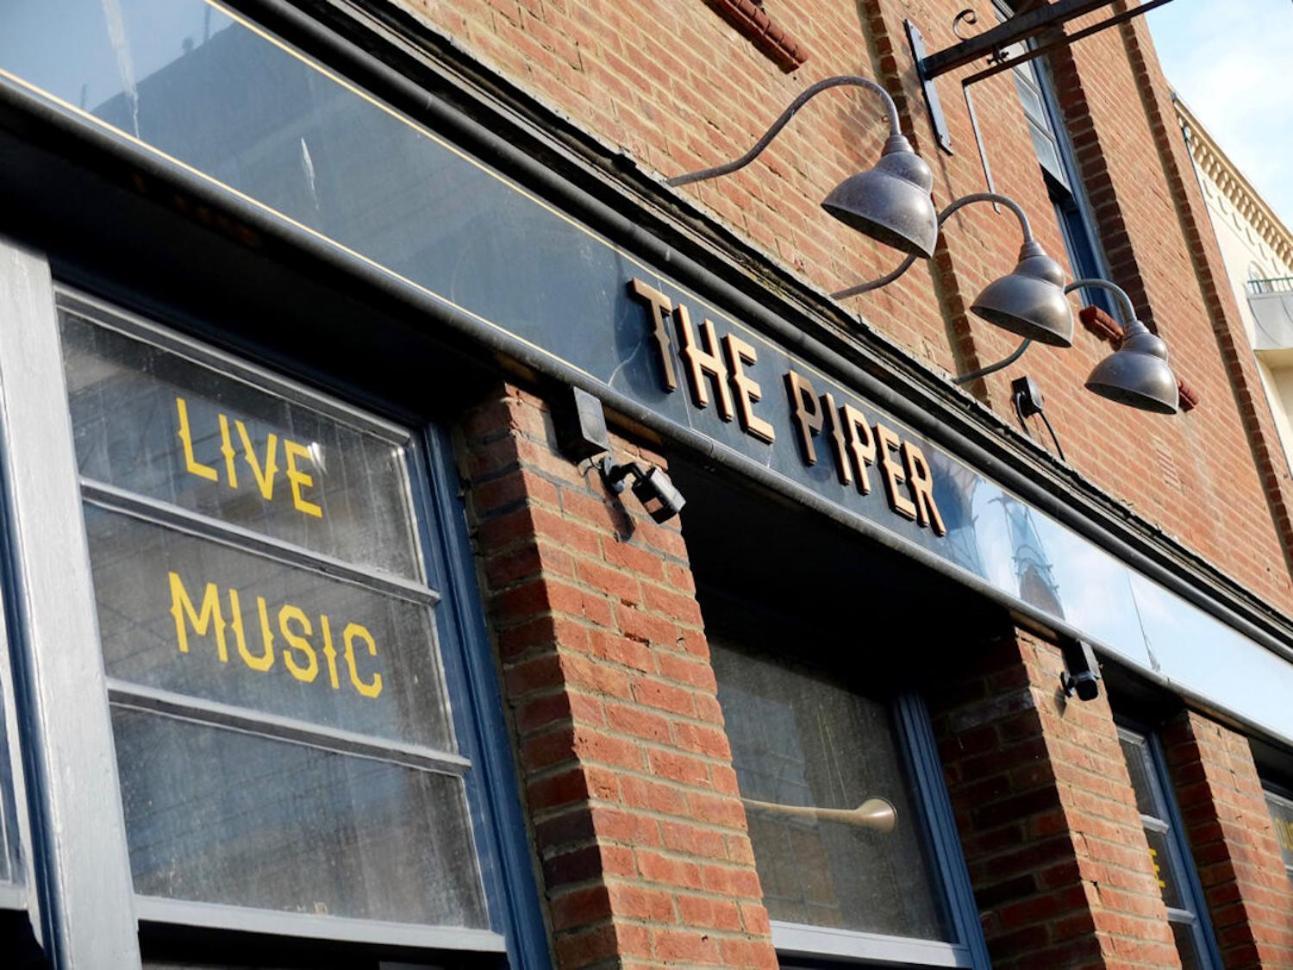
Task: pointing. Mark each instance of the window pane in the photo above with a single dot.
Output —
(1163, 867)
(1282, 816)
(153, 422)
(201, 618)
(1187, 945)
(227, 817)
(800, 739)
(1136, 753)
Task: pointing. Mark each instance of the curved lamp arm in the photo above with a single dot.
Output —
(1124, 302)
(943, 216)
(891, 111)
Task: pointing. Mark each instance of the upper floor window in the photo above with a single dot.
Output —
(1059, 170)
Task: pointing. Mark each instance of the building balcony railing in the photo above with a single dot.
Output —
(1271, 301)
(1279, 284)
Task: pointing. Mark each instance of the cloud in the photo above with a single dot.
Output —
(1230, 63)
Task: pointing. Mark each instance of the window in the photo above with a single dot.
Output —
(1176, 877)
(1281, 809)
(292, 755)
(883, 882)
(1059, 170)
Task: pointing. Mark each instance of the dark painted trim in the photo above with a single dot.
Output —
(662, 226)
(922, 751)
(492, 787)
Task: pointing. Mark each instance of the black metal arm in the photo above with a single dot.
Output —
(943, 216)
(891, 111)
(1124, 301)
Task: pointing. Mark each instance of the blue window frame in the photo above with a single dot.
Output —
(808, 741)
(1177, 878)
(325, 776)
(1055, 156)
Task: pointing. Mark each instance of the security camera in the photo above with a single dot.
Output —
(653, 488)
(1082, 676)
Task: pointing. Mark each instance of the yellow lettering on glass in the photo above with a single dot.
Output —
(1153, 854)
(191, 464)
(264, 467)
(329, 651)
(263, 472)
(298, 478)
(352, 633)
(206, 618)
(266, 658)
(185, 614)
(227, 449)
(297, 641)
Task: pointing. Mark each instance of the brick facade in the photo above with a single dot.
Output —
(674, 86)
(628, 776)
(1233, 843)
(639, 832)
(1061, 869)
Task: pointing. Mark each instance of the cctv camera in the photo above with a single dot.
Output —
(658, 495)
(653, 488)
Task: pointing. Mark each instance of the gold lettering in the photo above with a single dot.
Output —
(861, 445)
(703, 364)
(286, 615)
(659, 306)
(922, 488)
(746, 390)
(806, 413)
(182, 609)
(888, 442)
(299, 479)
(191, 464)
(352, 632)
(842, 470)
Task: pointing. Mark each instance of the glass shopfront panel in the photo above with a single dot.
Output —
(1281, 809)
(283, 728)
(803, 739)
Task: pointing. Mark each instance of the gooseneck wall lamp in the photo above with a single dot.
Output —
(1136, 374)
(890, 203)
(1029, 301)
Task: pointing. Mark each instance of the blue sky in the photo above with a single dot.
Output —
(1232, 63)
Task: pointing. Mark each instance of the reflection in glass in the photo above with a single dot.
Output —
(1281, 810)
(227, 817)
(158, 424)
(300, 644)
(801, 738)
(1165, 852)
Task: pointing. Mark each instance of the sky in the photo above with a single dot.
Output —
(1231, 61)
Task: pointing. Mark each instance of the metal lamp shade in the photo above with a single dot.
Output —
(890, 203)
(1137, 374)
(1030, 301)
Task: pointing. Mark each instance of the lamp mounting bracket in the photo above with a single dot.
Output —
(1030, 20)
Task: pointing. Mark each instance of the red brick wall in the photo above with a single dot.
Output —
(1060, 865)
(1233, 843)
(626, 768)
(675, 86)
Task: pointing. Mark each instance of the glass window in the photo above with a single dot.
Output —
(1172, 863)
(283, 729)
(1281, 809)
(1046, 129)
(803, 740)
